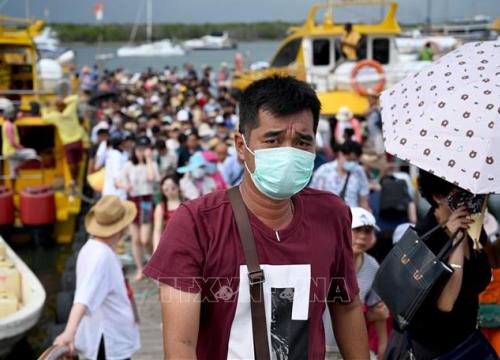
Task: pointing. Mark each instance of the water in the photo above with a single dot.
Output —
(48, 265)
(251, 51)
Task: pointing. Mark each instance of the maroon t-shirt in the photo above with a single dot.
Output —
(305, 264)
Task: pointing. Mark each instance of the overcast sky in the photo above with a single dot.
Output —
(197, 11)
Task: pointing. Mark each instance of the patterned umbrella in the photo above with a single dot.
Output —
(446, 118)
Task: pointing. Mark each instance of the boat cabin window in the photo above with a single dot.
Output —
(361, 51)
(42, 139)
(381, 48)
(321, 52)
(287, 54)
(16, 68)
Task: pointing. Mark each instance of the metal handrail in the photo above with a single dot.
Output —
(32, 28)
(12, 19)
(55, 352)
(27, 92)
(42, 168)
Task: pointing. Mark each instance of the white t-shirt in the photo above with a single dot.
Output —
(100, 286)
(100, 125)
(172, 145)
(115, 161)
(100, 156)
(137, 177)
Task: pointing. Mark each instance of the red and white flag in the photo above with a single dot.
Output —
(98, 11)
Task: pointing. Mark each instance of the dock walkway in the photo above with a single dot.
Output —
(146, 298)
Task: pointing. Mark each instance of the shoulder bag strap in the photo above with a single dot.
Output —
(441, 225)
(255, 275)
(449, 247)
(344, 189)
(446, 251)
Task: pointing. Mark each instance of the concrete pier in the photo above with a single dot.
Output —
(146, 298)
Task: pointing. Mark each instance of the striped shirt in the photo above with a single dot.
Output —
(367, 295)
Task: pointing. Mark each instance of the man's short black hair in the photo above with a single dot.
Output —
(160, 145)
(348, 27)
(102, 131)
(351, 147)
(115, 141)
(279, 95)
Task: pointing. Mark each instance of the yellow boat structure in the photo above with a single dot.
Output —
(21, 83)
(312, 52)
(495, 25)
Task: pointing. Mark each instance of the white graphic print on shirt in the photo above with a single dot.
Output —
(286, 298)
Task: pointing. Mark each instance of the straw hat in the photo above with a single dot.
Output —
(109, 216)
(204, 130)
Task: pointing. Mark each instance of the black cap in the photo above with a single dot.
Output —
(143, 141)
(115, 140)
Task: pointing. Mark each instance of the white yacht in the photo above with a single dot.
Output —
(469, 29)
(414, 41)
(163, 47)
(213, 41)
(49, 47)
(157, 48)
(47, 40)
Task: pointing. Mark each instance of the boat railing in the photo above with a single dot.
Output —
(331, 4)
(33, 26)
(26, 92)
(55, 352)
(15, 20)
(40, 176)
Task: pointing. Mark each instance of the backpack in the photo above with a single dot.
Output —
(394, 198)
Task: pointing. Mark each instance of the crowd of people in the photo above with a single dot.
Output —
(161, 139)
(178, 126)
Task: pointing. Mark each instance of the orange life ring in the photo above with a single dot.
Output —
(360, 89)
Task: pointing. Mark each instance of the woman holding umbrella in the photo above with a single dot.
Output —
(445, 120)
(448, 316)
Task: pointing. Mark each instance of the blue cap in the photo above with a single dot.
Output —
(195, 161)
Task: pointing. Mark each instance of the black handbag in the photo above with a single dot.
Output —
(409, 272)
(476, 347)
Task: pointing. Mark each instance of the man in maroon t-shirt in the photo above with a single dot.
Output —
(302, 236)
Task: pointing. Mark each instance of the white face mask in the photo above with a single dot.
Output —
(281, 172)
(350, 165)
(198, 173)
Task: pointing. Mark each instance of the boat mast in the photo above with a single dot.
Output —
(149, 20)
(28, 9)
(428, 20)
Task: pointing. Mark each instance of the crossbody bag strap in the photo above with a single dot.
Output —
(255, 275)
(344, 188)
